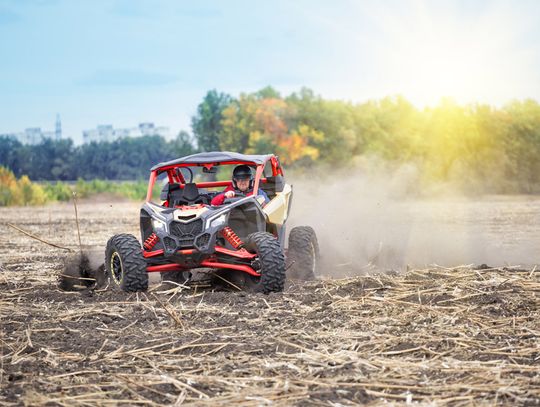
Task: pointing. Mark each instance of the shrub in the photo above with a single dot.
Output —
(58, 191)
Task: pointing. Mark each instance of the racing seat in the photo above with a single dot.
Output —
(273, 185)
(172, 194)
(191, 194)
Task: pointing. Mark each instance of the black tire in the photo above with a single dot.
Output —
(125, 264)
(272, 263)
(303, 254)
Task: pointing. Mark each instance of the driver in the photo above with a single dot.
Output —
(242, 183)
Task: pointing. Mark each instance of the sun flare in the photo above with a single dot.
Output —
(427, 55)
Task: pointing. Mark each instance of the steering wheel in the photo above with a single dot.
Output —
(237, 196)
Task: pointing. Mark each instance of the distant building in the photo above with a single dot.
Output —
(108, 133)
(58, 128)
(34, 135)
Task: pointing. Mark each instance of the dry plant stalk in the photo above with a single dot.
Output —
(24, 232)
(77, 220)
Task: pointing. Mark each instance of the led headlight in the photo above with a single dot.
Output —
(159, 225)
(218, 221)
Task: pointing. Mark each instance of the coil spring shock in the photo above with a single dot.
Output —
(150, 242)
(232, 237)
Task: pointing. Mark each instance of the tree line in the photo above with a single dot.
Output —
(476, 146)
(123, 159)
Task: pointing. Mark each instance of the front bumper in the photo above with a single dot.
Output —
(191, 258)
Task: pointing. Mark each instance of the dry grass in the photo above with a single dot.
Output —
(436, 337)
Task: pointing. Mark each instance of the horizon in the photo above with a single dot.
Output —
(123, 63)
(172, 134)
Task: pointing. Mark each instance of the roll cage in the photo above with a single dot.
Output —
(209, 161)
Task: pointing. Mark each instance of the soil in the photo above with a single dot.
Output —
(433, 336)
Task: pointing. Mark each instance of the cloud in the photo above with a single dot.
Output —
(127, 78)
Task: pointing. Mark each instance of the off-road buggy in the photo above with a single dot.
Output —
(242, 240)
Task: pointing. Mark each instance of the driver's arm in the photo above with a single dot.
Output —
(218, 199)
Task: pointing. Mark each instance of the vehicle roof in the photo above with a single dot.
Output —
(215, 157)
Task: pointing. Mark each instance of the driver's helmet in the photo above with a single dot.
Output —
(242, 172)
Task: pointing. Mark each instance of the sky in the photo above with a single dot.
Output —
(123, 62)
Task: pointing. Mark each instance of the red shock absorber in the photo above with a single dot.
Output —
(232, 237)
(150, 242)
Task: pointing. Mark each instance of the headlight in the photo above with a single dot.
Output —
(218, 222)
(159, 226)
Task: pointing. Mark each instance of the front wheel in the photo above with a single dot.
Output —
(125, 263)
(271, 262)
(303, 253)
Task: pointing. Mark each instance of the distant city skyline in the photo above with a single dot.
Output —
(124, 62)
(34, 135)
(101, 132)
(107, 132)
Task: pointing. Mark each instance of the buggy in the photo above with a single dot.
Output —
(242, 241)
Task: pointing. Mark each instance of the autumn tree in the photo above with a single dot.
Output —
(258, 124)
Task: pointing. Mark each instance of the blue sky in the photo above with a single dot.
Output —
(122, 62)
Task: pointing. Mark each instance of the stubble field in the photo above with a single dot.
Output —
(433, 335)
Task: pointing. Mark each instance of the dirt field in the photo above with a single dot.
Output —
(428, 336)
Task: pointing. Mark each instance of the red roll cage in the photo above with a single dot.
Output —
(177, 177)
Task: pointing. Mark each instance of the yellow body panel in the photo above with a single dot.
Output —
(277, 210)
(185, 215)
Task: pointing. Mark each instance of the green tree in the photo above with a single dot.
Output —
(206, 124)
(10, 152)
(333, 122)
(267, 93)
(521, 142)
(238, 123)
(182, 145)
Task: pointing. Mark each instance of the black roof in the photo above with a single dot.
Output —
(215, 156)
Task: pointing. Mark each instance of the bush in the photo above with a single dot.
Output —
(19, 192)
(9, 193)
(25, 192)
(32, 194)
(133, 190)
(58, 191)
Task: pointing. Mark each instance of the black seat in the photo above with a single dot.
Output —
(191, 194)
(172, 193)
(175, 195)
(273, 185)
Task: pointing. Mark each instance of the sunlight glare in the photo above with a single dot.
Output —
(430, 54)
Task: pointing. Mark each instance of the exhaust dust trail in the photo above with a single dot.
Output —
(378, 221)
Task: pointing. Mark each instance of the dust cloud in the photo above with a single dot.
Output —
(382, 219)
(83, 270)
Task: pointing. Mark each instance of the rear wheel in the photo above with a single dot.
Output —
(271, 263)
(303, 254)
(125, 263)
